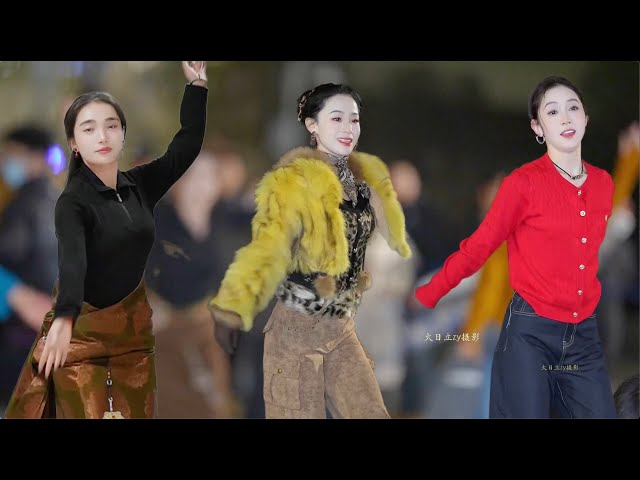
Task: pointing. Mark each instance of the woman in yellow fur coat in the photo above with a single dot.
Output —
(316, 210)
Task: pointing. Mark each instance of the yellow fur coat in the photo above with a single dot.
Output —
(298, 226)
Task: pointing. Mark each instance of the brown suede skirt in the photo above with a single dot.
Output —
(109, 371)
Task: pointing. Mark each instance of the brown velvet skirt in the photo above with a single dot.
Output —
(109, 371)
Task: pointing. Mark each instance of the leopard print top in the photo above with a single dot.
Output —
(298, 291)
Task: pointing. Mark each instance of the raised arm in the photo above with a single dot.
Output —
(155, 178)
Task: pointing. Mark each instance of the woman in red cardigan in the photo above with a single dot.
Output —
(553, 214)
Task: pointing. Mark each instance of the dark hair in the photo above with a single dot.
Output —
(72, 114)
(31, 136)
(542, 88)
(312, 101)
(627, 398)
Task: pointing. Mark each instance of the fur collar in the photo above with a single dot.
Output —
(375, 172)
(310, 153)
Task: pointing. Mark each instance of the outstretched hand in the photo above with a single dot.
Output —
(195, 72)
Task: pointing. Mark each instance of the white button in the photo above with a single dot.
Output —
(575, 314)
(581, 266)
(584, 240)
(579, 192)
(582, 213)
(579, 292)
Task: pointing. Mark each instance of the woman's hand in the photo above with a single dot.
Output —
(227, 337)
(56, 345)
(226, 328)
(196, 73)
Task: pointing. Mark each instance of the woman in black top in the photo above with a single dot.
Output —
(96, 347)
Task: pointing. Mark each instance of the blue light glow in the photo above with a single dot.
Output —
(56, 159)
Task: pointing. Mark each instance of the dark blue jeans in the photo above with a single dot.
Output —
(543, 368)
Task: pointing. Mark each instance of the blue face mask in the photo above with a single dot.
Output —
(13, 172)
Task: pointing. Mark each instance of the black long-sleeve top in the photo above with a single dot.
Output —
(105, 235)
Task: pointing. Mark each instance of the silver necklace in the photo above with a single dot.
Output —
(572, 177)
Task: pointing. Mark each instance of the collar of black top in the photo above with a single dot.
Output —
(122, 181)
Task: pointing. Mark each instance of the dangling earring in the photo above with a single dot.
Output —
(540, 140)
(312, 141)
(75, 152)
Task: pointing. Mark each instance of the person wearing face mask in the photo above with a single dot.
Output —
(28, 246)
(316, 211)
